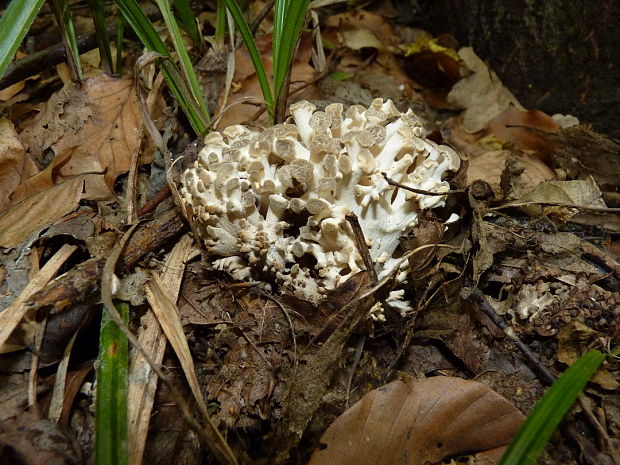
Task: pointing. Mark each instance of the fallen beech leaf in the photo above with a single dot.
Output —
(521, 137)
(359, 29)
(357, 39)
(40, 210)
(608, 221)
(91, 129)
(481, 94)
(419, 422)
(570, 193)
(488, 166)
(14, 163)
(65, 111)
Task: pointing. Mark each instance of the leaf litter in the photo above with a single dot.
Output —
(534, 241)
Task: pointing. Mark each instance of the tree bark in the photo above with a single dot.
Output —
(557, 56)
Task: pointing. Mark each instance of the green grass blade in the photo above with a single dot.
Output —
(185, 62)
(289, 19)
(14, 25)
(111, 409)
(103, 40)
(247, 37)
(65, 23)
(546, 415)
(220, 22)
(150, 39)
(187, 20)
(182, 93)
(142, 26)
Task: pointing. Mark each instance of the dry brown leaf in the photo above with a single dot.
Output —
(575, 339)
(57, 402)
(481, 94)
(488, 166)
(41, 210)
(143, 380)
(14, 163)
(569, 193)
(582, 152)
(168, 317)
(575, 192)
(608, 221)
(521, 137)
(467, 144)
(9, 92)
(91, 129)
(419, 421)
(32, 440)
(66, 110)
(361, 29)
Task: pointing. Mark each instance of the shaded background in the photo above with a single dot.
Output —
(557, 56)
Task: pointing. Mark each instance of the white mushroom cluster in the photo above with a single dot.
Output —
(273, 202)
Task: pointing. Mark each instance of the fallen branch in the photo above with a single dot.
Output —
(83, 280)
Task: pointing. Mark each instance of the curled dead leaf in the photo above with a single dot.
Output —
(419, 421)
(361, 29)
(581, 152)
(41, 210)
(481, 94)
(564, 196)
(574, 339)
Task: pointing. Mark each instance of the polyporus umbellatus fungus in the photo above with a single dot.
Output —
(274, 201)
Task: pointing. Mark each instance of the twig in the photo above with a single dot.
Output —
(356, 360)
(261, 16)
(362, 246)
(420, 191)
(541, 371)
(262, 293)
(34, 365)
(152, 203)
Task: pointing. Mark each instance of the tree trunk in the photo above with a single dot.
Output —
(557, 56)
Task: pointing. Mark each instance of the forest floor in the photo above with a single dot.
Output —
(508, 283)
